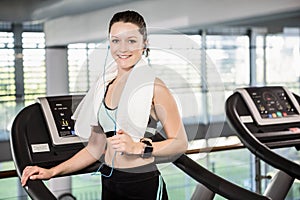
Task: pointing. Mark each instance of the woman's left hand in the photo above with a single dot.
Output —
(122, 142)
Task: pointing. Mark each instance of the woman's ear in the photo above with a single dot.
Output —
(146, 44)
(146, 49)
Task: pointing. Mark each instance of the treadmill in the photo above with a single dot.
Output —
(266, 118)
(43, 134)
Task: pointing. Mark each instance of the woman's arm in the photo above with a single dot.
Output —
(85, 157)
(167, 112)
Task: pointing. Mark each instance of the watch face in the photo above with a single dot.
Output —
(147, 152)
(148, 149)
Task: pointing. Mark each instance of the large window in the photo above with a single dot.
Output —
(31, 75)
(227, 68)
(283, 59)
(178, 65)
(85, 63)
(278, 59)
(230, 55)
(34, 65)
(7, 78)
(7, 82)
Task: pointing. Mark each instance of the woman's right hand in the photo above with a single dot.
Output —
(35, 172)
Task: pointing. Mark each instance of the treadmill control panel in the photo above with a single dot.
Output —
(62, 111)
(58, 112)
(271, 105)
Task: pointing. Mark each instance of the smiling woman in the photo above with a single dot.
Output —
(127, 100)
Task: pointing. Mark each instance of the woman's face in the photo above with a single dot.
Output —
(126, 44)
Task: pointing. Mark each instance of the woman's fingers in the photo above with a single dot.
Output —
(27, 172)
(32, 173)
(119, 142)
(116, 143)
(122, 142)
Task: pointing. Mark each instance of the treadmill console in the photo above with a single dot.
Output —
(43, 134)
(58, 112)
(271, 105)
(265, 118)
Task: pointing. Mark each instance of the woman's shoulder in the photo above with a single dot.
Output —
(160, 88)
(159, 85)
(158, 82)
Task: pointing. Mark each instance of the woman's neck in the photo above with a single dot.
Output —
(123, 73)
(121, 77)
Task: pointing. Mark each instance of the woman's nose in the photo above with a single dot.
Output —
(123, 47)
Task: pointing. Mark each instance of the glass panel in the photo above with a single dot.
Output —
(86, 62)
(230, 55)
(260, 59)
(34, 65)
(288, 153)
(9, 185)
(227, 58)
(86, 186)
(78, 68)
(7, 83)
(283, 59)
(176, 60)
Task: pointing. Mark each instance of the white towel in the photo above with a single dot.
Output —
(134, 106)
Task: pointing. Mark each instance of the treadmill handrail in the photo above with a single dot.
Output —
(254, 145)
(214, 182)
(34, 188)
(37, 189)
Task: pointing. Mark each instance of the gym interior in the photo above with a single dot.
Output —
(226, 62)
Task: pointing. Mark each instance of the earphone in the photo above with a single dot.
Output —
(114, 121)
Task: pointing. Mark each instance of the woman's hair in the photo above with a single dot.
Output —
(133, 17)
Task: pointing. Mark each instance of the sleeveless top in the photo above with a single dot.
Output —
(107, 119)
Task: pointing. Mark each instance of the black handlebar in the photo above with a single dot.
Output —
(214, 182)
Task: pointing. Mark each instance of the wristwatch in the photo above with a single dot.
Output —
(148, 148)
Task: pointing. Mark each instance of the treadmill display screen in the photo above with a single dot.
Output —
(62, 110)
(270, 105)
(273, 103)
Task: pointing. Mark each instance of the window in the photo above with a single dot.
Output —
(177, 64)
(7, 57)
(7, 83)
(34, 65)
(32, 59)
(85, 63)
(230, 55)
(283, 59)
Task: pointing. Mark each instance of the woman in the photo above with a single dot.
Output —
(129, 171)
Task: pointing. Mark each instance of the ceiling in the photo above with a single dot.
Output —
(19, 11)
(274, 22)
(32, 11)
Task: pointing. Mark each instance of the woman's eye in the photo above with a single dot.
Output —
(114, 41)
(132, 41)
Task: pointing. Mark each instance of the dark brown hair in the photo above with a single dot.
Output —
(133, 17)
